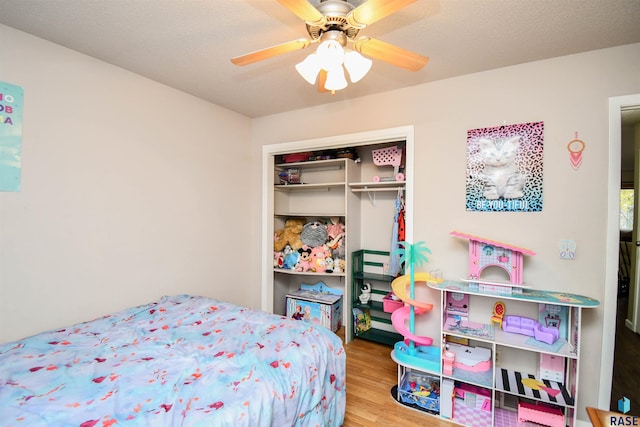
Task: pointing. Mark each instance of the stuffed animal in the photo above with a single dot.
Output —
(291, 258)
(335, 233)
(278, 259)
(318, 258)
(339, 252)
(304, 259)
(314, 233)
(289, 235)
(329, 264)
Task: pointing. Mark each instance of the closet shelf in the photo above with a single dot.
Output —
(310, 186)
(359, 187)
(329, 164)
(307, 273)
(314, 214)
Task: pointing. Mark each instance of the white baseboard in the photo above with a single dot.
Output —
(629, 324)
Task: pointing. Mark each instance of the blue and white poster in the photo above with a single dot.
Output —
(11, 105)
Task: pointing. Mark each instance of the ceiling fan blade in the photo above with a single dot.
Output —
(272, 51)
(304, 10)
(391, 54)
(374, 10)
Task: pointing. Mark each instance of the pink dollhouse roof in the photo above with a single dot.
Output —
(493, 242)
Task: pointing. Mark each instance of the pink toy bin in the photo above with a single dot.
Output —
(389, 305)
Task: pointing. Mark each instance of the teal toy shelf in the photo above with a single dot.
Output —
(368, 267)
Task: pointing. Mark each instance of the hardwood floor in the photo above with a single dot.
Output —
(370, 375)
(626, 369)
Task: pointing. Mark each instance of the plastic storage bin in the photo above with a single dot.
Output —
(389, 305)
(421, 390)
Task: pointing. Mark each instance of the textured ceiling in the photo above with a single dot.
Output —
(187, 44)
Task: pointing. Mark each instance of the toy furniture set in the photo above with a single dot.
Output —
(530, 327)
(498, 313)
(486, 377)
(474, 396)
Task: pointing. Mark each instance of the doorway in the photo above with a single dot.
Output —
(627, 345)
(630, 169)
(616, 106)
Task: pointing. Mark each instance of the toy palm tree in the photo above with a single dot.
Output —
(410, 255)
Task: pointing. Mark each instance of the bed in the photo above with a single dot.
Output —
(179, 361)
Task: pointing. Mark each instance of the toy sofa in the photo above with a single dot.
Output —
(544, 334)
(530, 327)
(518, 325)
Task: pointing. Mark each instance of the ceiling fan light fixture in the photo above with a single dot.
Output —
(330, 54)
(357, 65)
(335, 79)
(309, 68)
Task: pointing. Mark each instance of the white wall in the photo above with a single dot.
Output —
(570, 94)
(128, 192)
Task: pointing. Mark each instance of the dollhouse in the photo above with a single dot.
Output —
(504, 368)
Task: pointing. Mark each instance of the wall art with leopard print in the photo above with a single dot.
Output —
(504, 168)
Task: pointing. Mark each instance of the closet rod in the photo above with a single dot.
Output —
(361, 190)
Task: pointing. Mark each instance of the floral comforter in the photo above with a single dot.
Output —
(179, 361)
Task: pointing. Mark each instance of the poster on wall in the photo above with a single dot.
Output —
(504, 168)
(11, 104)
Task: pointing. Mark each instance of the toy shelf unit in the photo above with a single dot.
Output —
(519, 362)
(312, 203)
(371, 299)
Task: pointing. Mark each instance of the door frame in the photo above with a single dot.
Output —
(612, 244)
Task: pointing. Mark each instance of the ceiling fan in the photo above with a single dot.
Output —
(334, 24)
